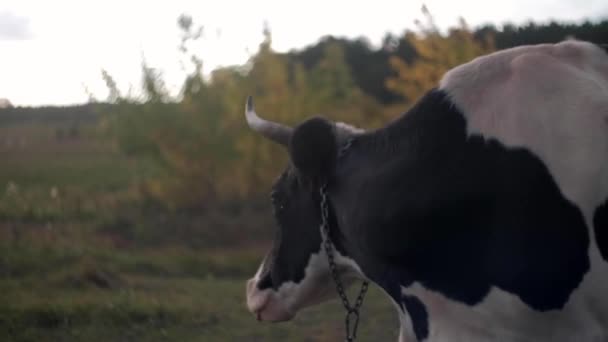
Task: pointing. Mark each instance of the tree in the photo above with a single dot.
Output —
(435, 54)
(5, 103)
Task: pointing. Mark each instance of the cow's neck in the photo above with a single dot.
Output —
(381, 189)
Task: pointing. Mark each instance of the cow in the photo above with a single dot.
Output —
(481, 211)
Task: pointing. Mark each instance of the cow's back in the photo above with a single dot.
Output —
(550, 99)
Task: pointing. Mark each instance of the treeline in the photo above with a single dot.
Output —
(370, 66)
(86, 113)
(200, 138)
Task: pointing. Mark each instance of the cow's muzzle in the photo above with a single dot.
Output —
(266, 305)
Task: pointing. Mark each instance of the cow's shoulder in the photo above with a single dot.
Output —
(461, 214)
(551, 99)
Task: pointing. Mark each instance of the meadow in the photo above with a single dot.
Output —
(82, 260)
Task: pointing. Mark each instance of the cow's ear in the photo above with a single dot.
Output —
(313, 148)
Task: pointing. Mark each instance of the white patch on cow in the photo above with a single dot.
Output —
(344, 131)
(502, 316)
(349, 128)
(316, 286)
(553, 101)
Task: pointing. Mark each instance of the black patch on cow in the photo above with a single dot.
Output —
(600, 225)
(418, 315)
(421, 201)
(297, 213)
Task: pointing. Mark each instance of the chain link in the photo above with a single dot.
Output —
(346, 146)
(352, 312)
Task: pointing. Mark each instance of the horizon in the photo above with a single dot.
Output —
(49, 60)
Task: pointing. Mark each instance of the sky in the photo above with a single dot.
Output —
(51, 51)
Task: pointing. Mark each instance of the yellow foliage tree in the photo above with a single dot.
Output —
(436, 54)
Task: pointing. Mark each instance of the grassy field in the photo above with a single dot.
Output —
(80, 262)
(105, 295)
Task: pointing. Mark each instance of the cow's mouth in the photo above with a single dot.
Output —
(274, 314)
(266, 305)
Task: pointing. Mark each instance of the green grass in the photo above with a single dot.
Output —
(170, 295)
(43, 178)
(37, 159)
(180, 309)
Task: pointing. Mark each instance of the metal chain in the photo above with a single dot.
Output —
(346, 146)
(352, 312)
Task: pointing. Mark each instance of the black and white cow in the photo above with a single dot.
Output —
(482, 212)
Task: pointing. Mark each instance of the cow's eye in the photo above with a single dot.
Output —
(273, 197)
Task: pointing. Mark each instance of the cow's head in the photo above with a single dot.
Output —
(295, 273)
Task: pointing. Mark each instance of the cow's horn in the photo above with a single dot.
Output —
(274, 131)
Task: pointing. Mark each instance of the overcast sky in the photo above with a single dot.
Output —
(51, 50)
